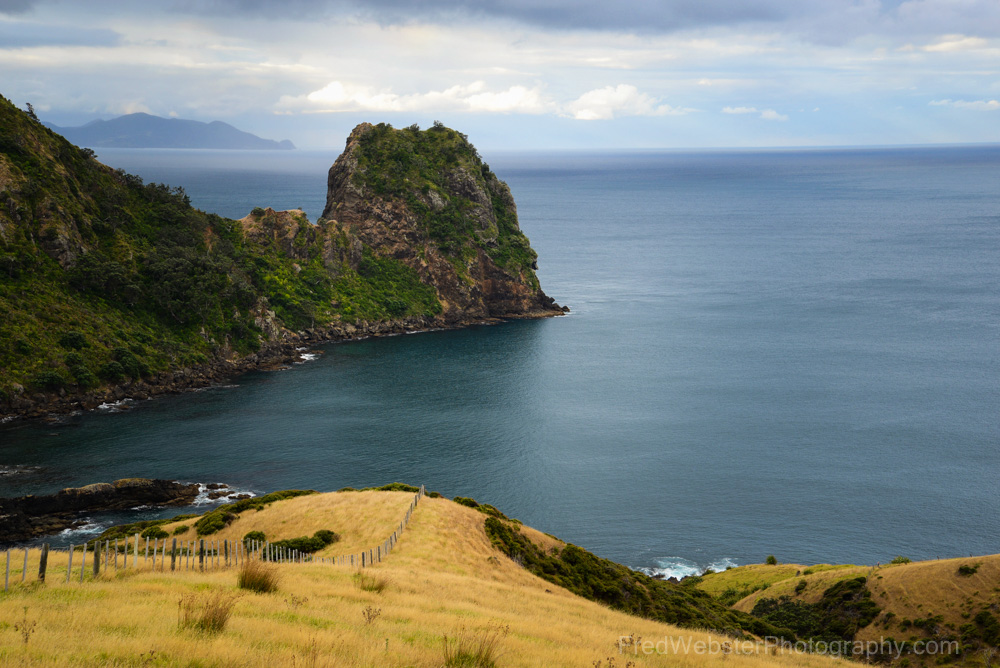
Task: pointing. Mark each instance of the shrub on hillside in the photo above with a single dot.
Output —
(73, 341)
(258, 536)
(48, 380)
(308, 544)
(222, 516)
(845, 607)
(154, 532)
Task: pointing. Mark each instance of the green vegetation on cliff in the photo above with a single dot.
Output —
(105, 279)
(621, 588)
(441, 177)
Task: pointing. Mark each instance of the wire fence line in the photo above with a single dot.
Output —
(186, 555)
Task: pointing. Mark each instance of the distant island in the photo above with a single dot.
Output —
(148, 131)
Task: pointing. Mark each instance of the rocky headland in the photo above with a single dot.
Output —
(118, 289)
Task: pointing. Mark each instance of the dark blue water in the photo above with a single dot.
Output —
(790, 353)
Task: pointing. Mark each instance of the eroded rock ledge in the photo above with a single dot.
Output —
(26, 517)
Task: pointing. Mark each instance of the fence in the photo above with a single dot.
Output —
(187, 555)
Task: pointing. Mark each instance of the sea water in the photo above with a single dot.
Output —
(769, 352)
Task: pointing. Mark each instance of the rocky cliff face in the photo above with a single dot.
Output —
(427, 199)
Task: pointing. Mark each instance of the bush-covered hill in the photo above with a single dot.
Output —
(106, 281)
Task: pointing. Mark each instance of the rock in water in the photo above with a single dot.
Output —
(25, 517)
(426, 199)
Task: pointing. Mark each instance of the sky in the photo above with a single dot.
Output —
(522, 74)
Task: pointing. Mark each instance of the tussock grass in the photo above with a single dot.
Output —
(476, 649)
(258, 576)
(370, 581)
(206, 612)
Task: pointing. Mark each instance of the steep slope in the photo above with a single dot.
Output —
(427, 199)
(950, 606)
(444, 585)
(111, 287)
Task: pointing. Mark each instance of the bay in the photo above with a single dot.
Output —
(769, 352)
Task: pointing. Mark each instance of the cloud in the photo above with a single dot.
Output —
(765, 114)
(338, 97)
(621, 100)
(631, 15)
(599, 104)
(973, 105)
(15, 6)
(951, 43)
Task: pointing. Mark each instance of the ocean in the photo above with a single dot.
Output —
(787, 352)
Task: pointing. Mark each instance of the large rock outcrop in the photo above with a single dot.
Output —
(426, 199)
(25, 517)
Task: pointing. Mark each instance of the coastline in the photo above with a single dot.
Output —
(273, 355)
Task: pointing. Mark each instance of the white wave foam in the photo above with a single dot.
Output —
(115, 406)
(678, 567)
(229, 496)
(7, 419)
(89, 527)
(307, 357)
(17, 469)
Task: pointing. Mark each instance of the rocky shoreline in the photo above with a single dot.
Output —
(273, 355)
(26, 517)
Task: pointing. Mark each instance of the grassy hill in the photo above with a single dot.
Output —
(444, 579)
(912, 603)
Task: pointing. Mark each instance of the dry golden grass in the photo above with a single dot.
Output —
(816, 584)
(757, 575)
(446, 580)
(924, 589)
(361, 519)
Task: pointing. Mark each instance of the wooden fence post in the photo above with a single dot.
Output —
(83, 562)
(201, 554)
(69, 566)
(24, 571)
(135, 555)
(43, 562)
(97, 558)
(6, 579)
(116, 553)
(173, 556)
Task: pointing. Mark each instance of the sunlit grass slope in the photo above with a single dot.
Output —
(443, 579)
(947, 600)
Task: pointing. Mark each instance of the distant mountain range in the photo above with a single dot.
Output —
(148, 131)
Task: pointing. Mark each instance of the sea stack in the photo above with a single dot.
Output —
(426, 199)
